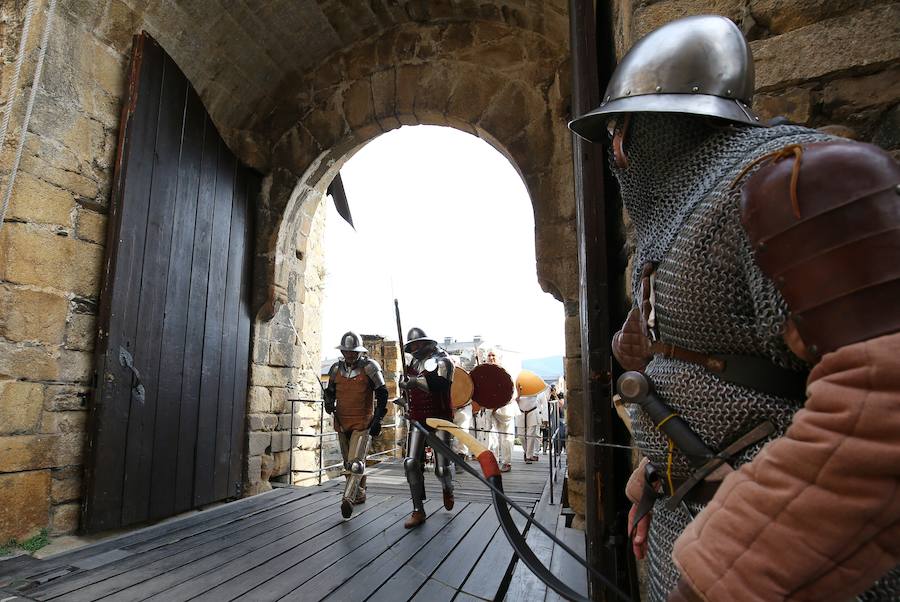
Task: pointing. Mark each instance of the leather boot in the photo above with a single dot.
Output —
(448, 500)
(346, 508)
(415, 519)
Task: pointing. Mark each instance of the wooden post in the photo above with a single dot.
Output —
(598, 216)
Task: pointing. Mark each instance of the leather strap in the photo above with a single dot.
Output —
(749, 371)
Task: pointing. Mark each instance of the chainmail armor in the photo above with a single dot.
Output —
(710, 296)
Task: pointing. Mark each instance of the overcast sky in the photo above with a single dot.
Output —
(443, 223)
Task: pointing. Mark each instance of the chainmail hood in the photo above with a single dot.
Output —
(674, 162)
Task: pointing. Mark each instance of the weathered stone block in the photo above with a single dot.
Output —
(888, 133)
(575, 457)
(258, 443)
(254, 466)
(265, 467)
(865, 38)
(65, 489)
(408, 81)
(270, 376)
(285, 354)
(81, 185)
(255, 422)
(795, 104)
(34, 200)
(281, 441)
(32, 363)
(259, 400)
(280, 397)
(64, 518)
(842, 98)
(65, 397)
(81, 332)
(91, 226)
(577, 495)
(24, 503)
(573, 336)
(511, 110)
(780, 16)
(33, 256)
(63, 422)
(651, 17)
(305, 459)
(75, 366)
(358, 109)
(27, 315)
(281, 463)
(20, 406)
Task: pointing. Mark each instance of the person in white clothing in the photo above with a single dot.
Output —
(502, 424)
(531, 396)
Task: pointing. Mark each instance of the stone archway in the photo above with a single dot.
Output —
(497, 82)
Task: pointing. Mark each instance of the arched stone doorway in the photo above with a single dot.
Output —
(495, 81)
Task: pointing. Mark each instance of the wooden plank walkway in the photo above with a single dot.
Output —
(292, 544)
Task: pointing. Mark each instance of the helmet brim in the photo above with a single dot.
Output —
(359, 349)
(592, 126)
(422, 339)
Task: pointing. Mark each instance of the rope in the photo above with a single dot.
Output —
(14, 85)
(45, 37)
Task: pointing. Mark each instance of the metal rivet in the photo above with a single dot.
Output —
(761, 246)
(659, 88)
(627, 92)
(780, 281)
(728, 92)
(695, 89)
(813, 349)
(756, 118)
(607, 98)
(897, 189)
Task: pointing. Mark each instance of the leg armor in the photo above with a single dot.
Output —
(413, 467)
(443, 467)
(355, 461)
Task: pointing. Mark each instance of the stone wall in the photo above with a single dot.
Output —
(285, 367)
(51, 248)
(832, 65)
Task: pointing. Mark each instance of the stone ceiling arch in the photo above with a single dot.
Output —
(499, 83)
(241, 55)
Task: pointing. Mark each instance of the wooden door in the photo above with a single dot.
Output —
(167, 418)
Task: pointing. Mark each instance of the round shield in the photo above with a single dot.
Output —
(493, 386)
(529, 383)
(461, 389)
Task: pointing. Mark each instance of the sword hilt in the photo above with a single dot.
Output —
(636, 388)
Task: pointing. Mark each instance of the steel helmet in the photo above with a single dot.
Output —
(417, 334)
(699, 65)
(350, 341)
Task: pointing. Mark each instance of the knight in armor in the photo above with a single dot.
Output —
(429, 376)
(765, 287)
(356, 396)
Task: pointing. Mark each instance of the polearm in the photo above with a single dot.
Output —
(404, 393)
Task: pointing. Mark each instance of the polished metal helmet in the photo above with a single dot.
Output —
(699, 65)
(417, 334)
(350, 341)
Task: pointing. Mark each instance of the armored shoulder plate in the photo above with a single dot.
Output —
(332, 371)
(444, 367)
(373, 371)
(825, 227)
